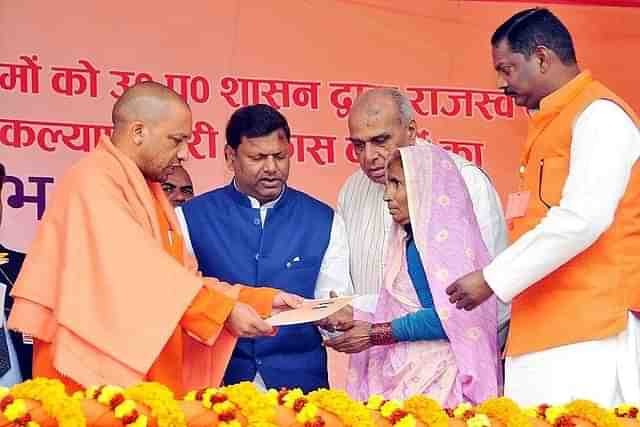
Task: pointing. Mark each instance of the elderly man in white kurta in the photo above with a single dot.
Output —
(380, 121)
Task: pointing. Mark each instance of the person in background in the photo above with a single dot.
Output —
(16, 350)
(178, 187)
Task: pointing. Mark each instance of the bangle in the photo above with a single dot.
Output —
(381, 334)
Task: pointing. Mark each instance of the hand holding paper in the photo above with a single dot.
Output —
(309, 311)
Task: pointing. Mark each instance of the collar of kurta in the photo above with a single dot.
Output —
(251, 202)
(557, 100)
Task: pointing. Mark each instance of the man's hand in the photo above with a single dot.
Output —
(285, 301)
(469, 291)
(244, 322)
(355, 340)
(339, 321)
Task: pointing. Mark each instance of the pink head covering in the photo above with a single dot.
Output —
(450, 245)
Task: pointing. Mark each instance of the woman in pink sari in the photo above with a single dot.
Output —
(417, 342)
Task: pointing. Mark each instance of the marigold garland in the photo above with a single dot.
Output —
(479, 420)
(112, 396)
(338, 402)
(393, 411)
(15, 410)
(217, 401)
(627, 411)
(55, 401)
(427, 411)
(505, 410)
(161, 402)
(592, 412)
(258, 408)
(464, 411)
(307, 413)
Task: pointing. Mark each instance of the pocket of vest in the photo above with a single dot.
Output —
(552, 177)
(298, 263)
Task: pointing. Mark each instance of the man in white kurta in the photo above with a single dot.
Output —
(604, 147)
(380, 121)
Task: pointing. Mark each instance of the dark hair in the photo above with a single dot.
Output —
(255, 121)
(531, 28)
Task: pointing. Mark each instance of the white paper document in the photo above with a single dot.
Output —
(310, 311)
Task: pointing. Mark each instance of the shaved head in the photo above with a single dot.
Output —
(152, 126)
(145, 102)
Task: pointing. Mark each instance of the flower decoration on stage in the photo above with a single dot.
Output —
(15, 410)
(391, 410)
(627, 411)
(427, 411)
(307, 413)
(479, 420)
(164, 408)
(218, 401)
(44, 403)
(464, 411)
(504, 410)
(338, 402)
(51, 396)
(113, 397)
(591, 412)
(258, 408)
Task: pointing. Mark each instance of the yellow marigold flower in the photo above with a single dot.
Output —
(141, 421)
(108, 393)
(531, 411)
(291, 397)
(339, 403)
(554, 412)
(78, 395)
(258, 408)
(191, 396)
(206, 397)
(461, 409)
(3, 392)
(374, 402)
(390, 407)
(55, 401)
(308, 412)
(125, 408)
(15, 410)
(407, 421)
(160, 400)
(479, 420)
(592, 412)
(623, 409)
(427, 411)
(272, 396)
(33, 424)
(91, 392)
(226, 406)
(505, 410)
(232, 423)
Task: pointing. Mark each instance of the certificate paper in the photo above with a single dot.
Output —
(310, 311)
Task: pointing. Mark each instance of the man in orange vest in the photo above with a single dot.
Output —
(573, 271)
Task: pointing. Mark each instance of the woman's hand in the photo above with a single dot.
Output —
(357, 338)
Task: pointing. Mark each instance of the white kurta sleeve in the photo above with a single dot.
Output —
(604, 147)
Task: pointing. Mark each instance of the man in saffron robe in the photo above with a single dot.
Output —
(107, 290)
